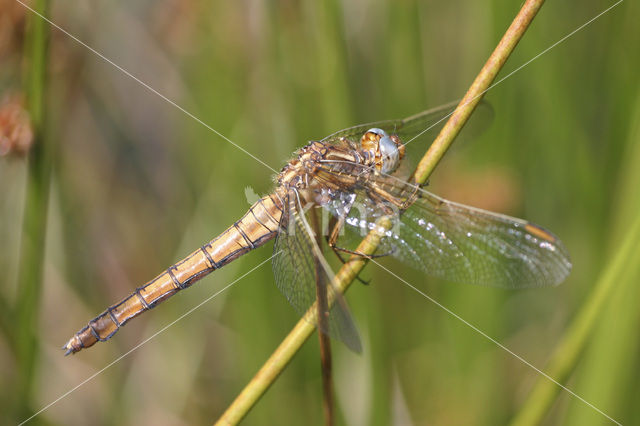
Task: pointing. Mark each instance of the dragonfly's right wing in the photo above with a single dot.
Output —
(457, 242)
(299, 267)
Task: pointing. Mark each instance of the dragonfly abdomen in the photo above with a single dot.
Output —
(255, 228)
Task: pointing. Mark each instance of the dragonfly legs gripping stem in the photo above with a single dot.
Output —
(332, 239)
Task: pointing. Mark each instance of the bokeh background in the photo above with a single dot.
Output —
(137, 184)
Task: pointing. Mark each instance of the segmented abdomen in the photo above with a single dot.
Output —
(256, 227)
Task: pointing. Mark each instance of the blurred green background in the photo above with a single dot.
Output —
(137, 184)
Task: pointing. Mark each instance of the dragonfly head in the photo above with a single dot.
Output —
(386, 150)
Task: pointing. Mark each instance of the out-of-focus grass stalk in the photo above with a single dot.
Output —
(611, 344)
(619, 275)
(334, 99)
(35, 209)
(6, 320)
(329, 42)
(568, 351)
(345, 276)
(614, 342)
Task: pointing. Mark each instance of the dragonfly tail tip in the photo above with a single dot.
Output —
(68, 348)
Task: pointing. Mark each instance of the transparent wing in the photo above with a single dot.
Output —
(299, 267)
(420, 126)
(405, 128)
(456, 242)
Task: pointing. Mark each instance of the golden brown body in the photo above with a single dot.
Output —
(256, 227)
(439, 237)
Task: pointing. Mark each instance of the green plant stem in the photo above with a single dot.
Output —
(294, 340)
(345, 276)
(474, 95)
(569, 350)
(35, 211)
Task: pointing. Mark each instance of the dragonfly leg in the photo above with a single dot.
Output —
(333, 238)
(336, 251)
(335, 225)
(402, 203)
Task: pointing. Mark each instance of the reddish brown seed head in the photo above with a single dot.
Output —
(16, 134)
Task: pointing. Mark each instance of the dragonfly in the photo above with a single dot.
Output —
(355, 177)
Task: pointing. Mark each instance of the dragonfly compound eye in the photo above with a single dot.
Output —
(370, 140)
(385, 149)
(389, 155)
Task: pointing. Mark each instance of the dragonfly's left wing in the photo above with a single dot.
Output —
(299, 267)
(405, 128)
(421, 126)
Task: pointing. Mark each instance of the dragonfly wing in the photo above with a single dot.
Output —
(421, 126)
(299, 267)
(405, 128)
(460, 243)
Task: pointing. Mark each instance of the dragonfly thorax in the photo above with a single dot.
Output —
(386, 151)
(301, 169)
